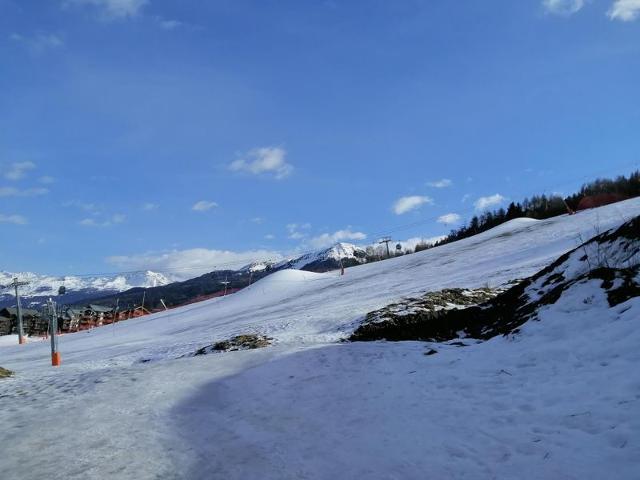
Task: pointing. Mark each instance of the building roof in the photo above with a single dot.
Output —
(13, 312)
(69, 312)
(100, 308)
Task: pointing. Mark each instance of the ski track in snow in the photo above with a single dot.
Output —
(560, 400)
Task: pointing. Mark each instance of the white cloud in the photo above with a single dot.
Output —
(38, 43)
(563, 7)
(328, 239)
(18, 170)
(109, 222)
(118, 218)
(169, 24)
(85, 206)
(449, 218)
(46, 180)
(445, 182)
(149, 206)
(406, 204)
(203, 206)
(465, 197)
(184, 264)
(269, 237)
(490, 201)
(15, 219)
(294, 230)
(257, 220)
(113, 8)
(265, 160)
(624, 10)
(29, 192)
(295, 226)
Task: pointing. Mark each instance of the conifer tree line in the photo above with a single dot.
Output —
(541, 206)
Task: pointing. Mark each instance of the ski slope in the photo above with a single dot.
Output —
(562, 400)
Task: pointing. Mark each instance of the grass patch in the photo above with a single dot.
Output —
(4, 373)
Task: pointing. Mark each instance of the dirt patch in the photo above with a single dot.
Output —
(239, 342)
(4, 373)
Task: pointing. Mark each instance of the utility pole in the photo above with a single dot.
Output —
(225, 283)
(386, 241)
(570, 211)
(143, 297)
(116, 316)
(56, 359)
(16, 284)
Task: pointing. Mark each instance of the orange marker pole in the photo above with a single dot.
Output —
(56, 359)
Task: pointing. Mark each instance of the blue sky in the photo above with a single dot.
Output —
(162, 134)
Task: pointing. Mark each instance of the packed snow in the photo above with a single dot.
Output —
(559, 400)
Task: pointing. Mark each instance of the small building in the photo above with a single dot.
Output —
(139, 312)
(32, 322)
(100, 314)
(70, 319)
(77, 318)
(6, 323)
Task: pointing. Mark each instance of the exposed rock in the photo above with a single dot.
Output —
(406, 320)
(613, 257)
(240, 342)
(4, 373)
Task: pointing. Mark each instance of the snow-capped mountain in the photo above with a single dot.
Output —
(327, 259)
(81, 289)
(319, 261)
(41, 287)
(256, 267)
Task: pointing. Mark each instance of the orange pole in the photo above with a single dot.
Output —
(56, 359)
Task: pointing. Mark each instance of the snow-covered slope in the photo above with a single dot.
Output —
(40, 287)
(559, 400)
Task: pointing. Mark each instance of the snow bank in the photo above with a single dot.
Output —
(561, 400)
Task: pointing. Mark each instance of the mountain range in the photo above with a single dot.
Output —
(127, 286)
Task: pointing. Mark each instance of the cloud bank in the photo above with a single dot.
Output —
(184, 264)
(624, 10)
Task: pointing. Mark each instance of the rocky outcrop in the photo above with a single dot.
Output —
(611, 258)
